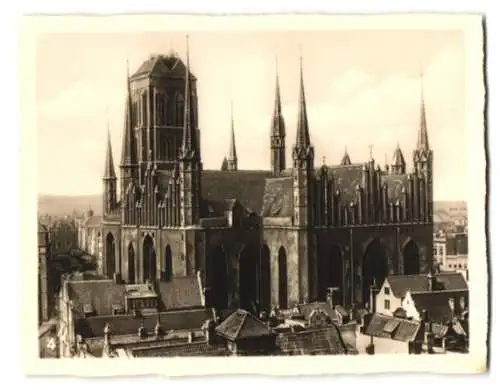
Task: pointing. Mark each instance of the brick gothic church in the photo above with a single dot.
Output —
(256, 238)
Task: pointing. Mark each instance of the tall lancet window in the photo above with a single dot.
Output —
(144, 109)
(179, 109)
(164, 110)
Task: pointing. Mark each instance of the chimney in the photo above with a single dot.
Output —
(332, 296)
(158, 329)
(428, 335)
(141, 332)
(463, 306)
(107, 341)
(209, 328)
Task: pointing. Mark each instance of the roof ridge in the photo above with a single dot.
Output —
(439, 291)
(242, 321)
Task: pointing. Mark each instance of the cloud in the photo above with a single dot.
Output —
(350, 81)
(80, 100)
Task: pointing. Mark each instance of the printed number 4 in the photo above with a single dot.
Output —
(51, 344)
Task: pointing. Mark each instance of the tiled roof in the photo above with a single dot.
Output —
(347, 178)
(188, 349)
(180, 293)
(162, 65)
(128, 324)
(242, 325)
(100, 294)
(278, 197)
(437, 304)
(400, 284)
(395, 185)
(245, 186)
(307, 308)
(315, 341)
(393, 328)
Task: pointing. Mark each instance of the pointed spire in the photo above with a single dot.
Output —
(129, 148)
(398, 159)
(189, 140)
(232, 156)
(109, 168)
(278, 123)
(398, 162)
(346, 160)
(303, 138)
(423, 139)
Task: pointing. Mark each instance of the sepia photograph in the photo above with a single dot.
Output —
(243, 187)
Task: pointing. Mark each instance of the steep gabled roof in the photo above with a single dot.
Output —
(393, 328)
(400, 284)
(180, 293)
(101, 295)
(242, 325)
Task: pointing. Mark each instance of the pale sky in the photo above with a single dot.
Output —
(362, 88)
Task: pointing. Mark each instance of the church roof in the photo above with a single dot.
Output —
(162, 65)
(242, 325)
(245, 186)
(395, 185)
(278, 197)
(347, 178)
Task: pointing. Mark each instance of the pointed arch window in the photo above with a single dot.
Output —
(144, 109)
(179, 109)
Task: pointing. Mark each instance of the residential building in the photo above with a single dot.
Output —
(394, 289)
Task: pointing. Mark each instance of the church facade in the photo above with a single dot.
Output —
(255, 238)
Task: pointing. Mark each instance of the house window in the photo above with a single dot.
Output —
(386, 291)
(387, 305)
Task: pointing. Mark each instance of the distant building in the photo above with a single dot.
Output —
(451, 251)
(45, 301)
(63, 235)
(89, 237)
